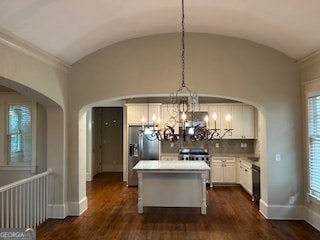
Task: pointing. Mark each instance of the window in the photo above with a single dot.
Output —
(314, 145)
(19, 134)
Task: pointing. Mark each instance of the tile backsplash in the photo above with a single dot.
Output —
(222, 146)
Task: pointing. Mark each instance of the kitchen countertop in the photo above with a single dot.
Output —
(242, 156)
(151, 165)
(253, 162)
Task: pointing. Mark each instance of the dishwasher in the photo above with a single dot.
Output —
(256, 184)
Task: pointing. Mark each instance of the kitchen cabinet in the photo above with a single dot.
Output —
(221, 112)
(135, 112)
(223, 170)
(169, 157)
(245, 175)
(214, 109)
(242, 121)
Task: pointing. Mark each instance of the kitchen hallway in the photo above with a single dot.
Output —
(113, 214)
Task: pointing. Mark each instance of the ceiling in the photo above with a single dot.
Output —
(72, 29)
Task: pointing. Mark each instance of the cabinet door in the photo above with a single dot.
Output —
(135, 113)
(224, 111)
(169, 158)
(214, 109)
(241, 175)
(246, 177)
(249, 181)
(154, 109)
(243, 121)
(248, 121)
(217, 172)
(237, 123)
(230, 173)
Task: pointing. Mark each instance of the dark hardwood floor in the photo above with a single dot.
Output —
(112, 214)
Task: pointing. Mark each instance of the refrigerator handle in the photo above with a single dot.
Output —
(140, 146)
(131, 150)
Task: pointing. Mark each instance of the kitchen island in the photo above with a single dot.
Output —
(172, 184)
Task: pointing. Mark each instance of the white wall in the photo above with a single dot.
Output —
(43, 78)
(310, 80)
(215, 66)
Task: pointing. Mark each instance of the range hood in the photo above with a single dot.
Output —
(195, 119)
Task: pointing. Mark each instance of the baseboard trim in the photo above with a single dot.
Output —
(77, 208)
(283, 212)
(313, 218)
(57, 211)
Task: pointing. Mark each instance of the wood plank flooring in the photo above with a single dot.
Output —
(112, 214)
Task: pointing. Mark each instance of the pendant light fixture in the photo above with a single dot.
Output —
(182, 108)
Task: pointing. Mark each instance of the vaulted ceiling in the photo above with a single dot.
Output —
(72, 29)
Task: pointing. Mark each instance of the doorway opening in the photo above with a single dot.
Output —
(107, 140)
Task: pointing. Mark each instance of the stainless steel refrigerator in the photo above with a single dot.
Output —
(141, 147)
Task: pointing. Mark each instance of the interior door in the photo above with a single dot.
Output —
(112, 143)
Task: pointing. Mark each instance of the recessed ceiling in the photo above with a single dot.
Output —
(72, 29)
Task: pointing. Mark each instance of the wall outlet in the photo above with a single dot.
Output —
(243, 145)
(278, 157)
(217, 145)
(291, 199)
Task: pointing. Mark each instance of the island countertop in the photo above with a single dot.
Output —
(158, 165)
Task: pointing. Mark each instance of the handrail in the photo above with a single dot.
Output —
(25, 180)
(24, 203)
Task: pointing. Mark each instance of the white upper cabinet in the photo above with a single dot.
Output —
(214, 110)
(220, 111)
(135, 113)
(242, 117)
(242, 120)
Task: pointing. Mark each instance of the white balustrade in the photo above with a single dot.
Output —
(23, 204)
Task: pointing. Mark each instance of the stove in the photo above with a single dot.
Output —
(194, 154)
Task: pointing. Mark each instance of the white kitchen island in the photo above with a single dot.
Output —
(172, 184)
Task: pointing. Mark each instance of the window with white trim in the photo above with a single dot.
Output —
(19, 133)
(314, 145)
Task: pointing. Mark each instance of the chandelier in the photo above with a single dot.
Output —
(181, 109)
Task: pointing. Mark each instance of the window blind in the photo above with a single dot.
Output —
(314, 145)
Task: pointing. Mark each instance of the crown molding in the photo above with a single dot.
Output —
(10, 40)
(310, 59)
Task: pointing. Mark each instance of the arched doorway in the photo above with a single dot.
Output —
(259, 145)
(51, 143)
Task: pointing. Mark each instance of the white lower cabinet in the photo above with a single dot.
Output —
(169, 157)
(245, 175)
(223, 170)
